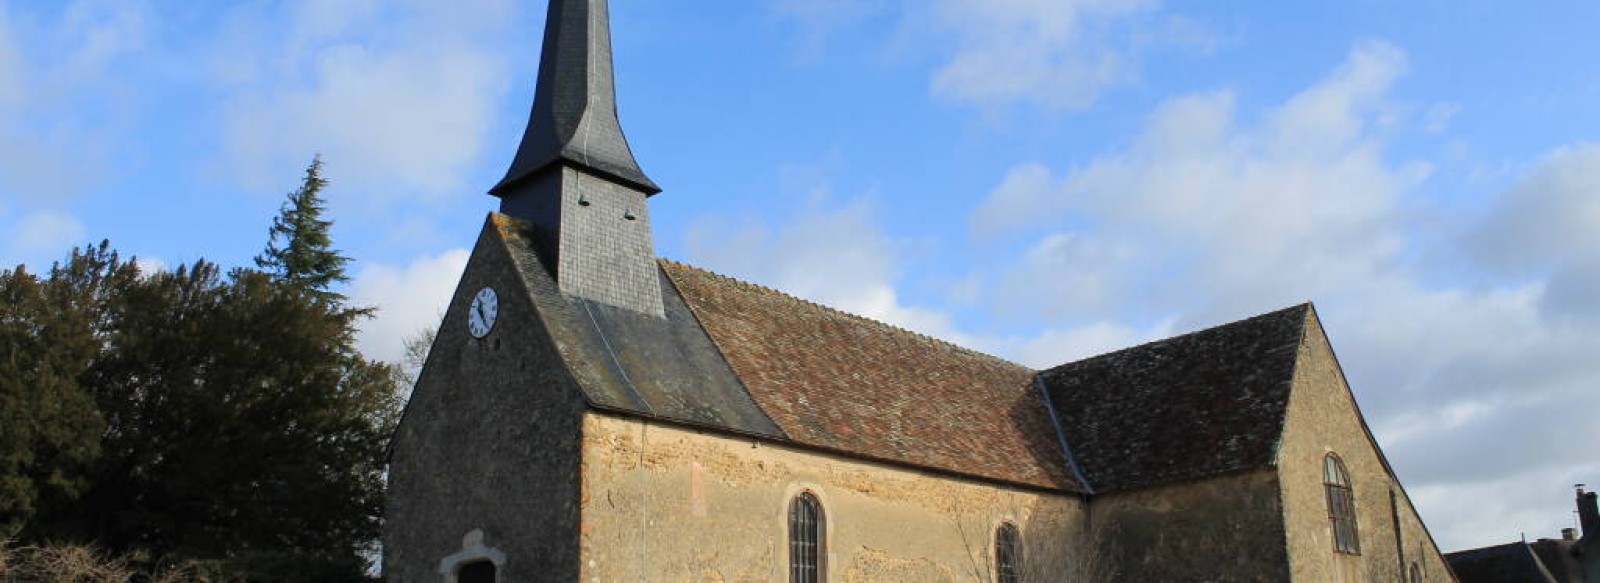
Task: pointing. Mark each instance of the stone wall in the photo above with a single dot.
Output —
(486, 456)
(1224, 528)
(664, 503)
(1323, 419)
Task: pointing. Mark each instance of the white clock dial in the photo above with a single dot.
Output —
(481, 315)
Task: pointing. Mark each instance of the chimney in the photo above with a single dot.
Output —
(1569, 534)
(1588, 513)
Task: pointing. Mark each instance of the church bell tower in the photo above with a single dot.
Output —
(574, 177)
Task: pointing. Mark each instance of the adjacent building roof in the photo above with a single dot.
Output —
(1560, 558)
(1508, 563)
(1187, 407)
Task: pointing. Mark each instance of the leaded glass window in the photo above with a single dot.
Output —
(1008, 554)
(1341, 506)
(806, 545)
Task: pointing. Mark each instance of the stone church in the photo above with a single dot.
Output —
(590, 413)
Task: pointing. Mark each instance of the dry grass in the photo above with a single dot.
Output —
(79, 564)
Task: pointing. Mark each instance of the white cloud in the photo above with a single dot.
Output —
(150, 265)
(1061, 345)
(409, 299)
(104, 31)
(1535, 504)
(819, 19)
(1333, 115)
(1097, 281)
(1438, 117)
(1251, 216)
(39, 238)
(60, 91)
(401, 96)
(1051, 53)
(1546, 224)
(836, 256)
(1026, 190)
(1206, 218)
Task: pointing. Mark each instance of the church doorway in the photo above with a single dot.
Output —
(477, 572)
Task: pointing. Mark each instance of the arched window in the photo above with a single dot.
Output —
(477, 572)
(475, 563)
(806, 545)
(1416, 574)
(1341, 506)
(1007, 554)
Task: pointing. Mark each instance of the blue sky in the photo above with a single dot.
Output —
(1040, 179)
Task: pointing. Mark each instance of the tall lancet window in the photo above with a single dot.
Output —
(1341, 505)
(806, 544)
(1008, 554)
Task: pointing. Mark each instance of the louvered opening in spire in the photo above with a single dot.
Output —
(574, 120)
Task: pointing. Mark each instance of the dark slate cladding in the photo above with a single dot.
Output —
(1560, 557)
(1508, 563)
(574, 119)
(626, 361)
(839, 382)
(1188, 407)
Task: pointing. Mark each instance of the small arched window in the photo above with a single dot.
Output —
(477, 572)
(1007, 554)
(1416, 574)
(806, 545)
(1341, 506)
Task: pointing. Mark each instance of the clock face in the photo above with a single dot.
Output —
(481, 316)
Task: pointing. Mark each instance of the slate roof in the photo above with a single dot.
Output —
(574, 118)
(666, 368)
(1559, 558)
(1508, 563)
(1187, 407)
(842, 382)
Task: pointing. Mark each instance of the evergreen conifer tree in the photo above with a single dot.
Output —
(300, 248)
(197, 413)
(49, 427)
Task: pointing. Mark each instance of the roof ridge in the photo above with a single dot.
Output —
(1489, 547)
(891, 327)
(1191, 333)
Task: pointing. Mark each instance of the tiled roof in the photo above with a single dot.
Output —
(846, 383)
(745, 358)
(1508, 563)
(1196, 405)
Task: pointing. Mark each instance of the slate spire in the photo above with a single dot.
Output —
(574, 120)
(574, 181)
